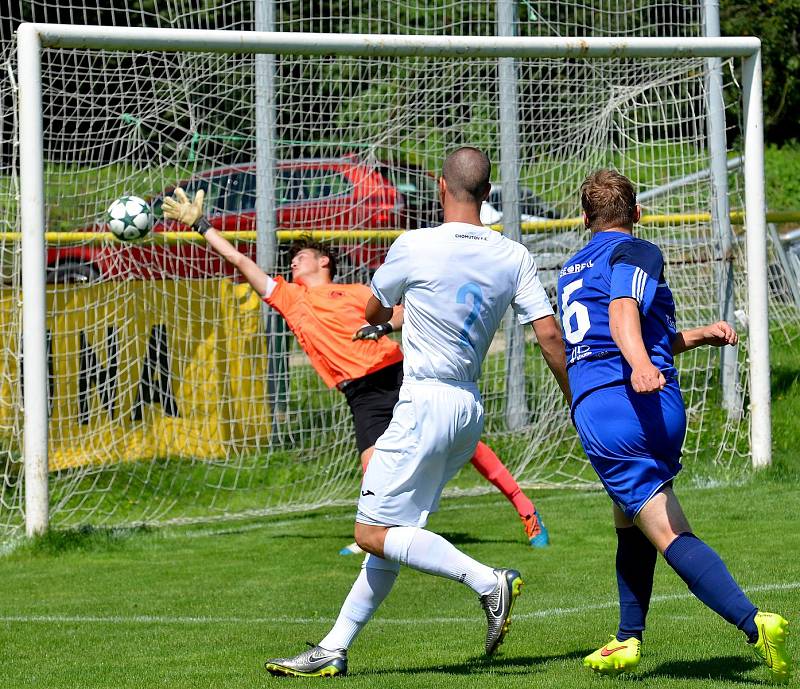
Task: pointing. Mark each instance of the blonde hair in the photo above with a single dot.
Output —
(608, 199)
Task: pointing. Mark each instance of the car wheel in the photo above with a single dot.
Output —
(74, 273)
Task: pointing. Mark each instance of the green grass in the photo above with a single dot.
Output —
(203, 607)
(785, 375)
(782, 176)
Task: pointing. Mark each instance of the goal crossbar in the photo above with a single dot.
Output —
(32, 38)
(385, 45)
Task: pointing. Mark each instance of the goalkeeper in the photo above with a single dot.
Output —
(328, 320)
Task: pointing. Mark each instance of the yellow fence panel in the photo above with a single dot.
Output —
(147, 369)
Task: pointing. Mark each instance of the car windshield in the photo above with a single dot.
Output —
(309, 184)
(411, 182)
(215, 197)
(529, 203)
(235, 192)
(420, 191)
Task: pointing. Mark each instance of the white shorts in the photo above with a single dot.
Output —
(434, 430)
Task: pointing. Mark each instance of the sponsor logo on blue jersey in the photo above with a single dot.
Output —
(580, 352)
(575, 268)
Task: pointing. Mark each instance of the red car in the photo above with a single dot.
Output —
(312, 194)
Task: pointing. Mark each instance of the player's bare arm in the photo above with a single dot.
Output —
(716, 334)
(190, 212)
(626, 330)
(548, 334)
(376, 313)
(376, 332)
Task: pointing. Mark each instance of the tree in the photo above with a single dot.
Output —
(777, 24)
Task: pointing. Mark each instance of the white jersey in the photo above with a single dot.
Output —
(457, 281)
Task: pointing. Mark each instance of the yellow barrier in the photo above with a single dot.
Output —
(530, 227)
(143, 370)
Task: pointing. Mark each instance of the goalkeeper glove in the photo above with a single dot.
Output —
(373, 332)
(180, 208)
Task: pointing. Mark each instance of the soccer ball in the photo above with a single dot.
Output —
(129, 218)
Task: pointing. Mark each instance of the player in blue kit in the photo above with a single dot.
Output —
(618, 322)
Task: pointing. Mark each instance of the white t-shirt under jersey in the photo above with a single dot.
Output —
(457, 281)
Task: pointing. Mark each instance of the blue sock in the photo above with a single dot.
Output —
(708, 578)
(636, 562)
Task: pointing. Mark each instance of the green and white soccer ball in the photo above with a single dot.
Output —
(129, 218)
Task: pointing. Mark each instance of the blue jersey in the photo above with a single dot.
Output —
(610, 266)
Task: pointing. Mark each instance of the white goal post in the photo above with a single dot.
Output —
(33, 38)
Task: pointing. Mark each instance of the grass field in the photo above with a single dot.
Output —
(203, 607)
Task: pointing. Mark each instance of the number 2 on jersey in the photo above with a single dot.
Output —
(574, 310)
(467, 289)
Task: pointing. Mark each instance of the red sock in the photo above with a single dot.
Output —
(492, 469)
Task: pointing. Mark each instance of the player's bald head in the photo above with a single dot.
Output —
(466, 172)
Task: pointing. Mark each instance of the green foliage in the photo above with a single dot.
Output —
(78, 197)
(782, 171)
(777, 24)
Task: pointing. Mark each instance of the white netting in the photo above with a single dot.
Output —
(173, 395)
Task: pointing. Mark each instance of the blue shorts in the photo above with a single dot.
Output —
(633, 441)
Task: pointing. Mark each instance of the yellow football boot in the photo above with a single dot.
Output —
(771, 645)
(615, 657)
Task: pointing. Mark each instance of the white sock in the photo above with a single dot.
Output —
(370, 588)
(430, 553)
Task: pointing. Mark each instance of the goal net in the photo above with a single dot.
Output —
(174, 393)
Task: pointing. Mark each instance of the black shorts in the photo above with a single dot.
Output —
(372, 399)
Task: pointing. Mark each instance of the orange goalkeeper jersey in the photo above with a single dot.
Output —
(324, 319)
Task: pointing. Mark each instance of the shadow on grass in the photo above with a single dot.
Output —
(82, 539)
(783, 378)
(724, 668)
(328, 535)
(458, 538)
(482, 664)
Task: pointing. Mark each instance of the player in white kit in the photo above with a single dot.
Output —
(456, 282)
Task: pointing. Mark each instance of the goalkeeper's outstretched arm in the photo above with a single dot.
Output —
(190, 213)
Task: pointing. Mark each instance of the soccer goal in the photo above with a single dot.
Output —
(157, 388)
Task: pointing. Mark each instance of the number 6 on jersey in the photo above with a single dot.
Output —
(576, 310)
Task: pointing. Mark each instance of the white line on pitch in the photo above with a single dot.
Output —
(232, 528)
(160, 619)
(452, 504)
